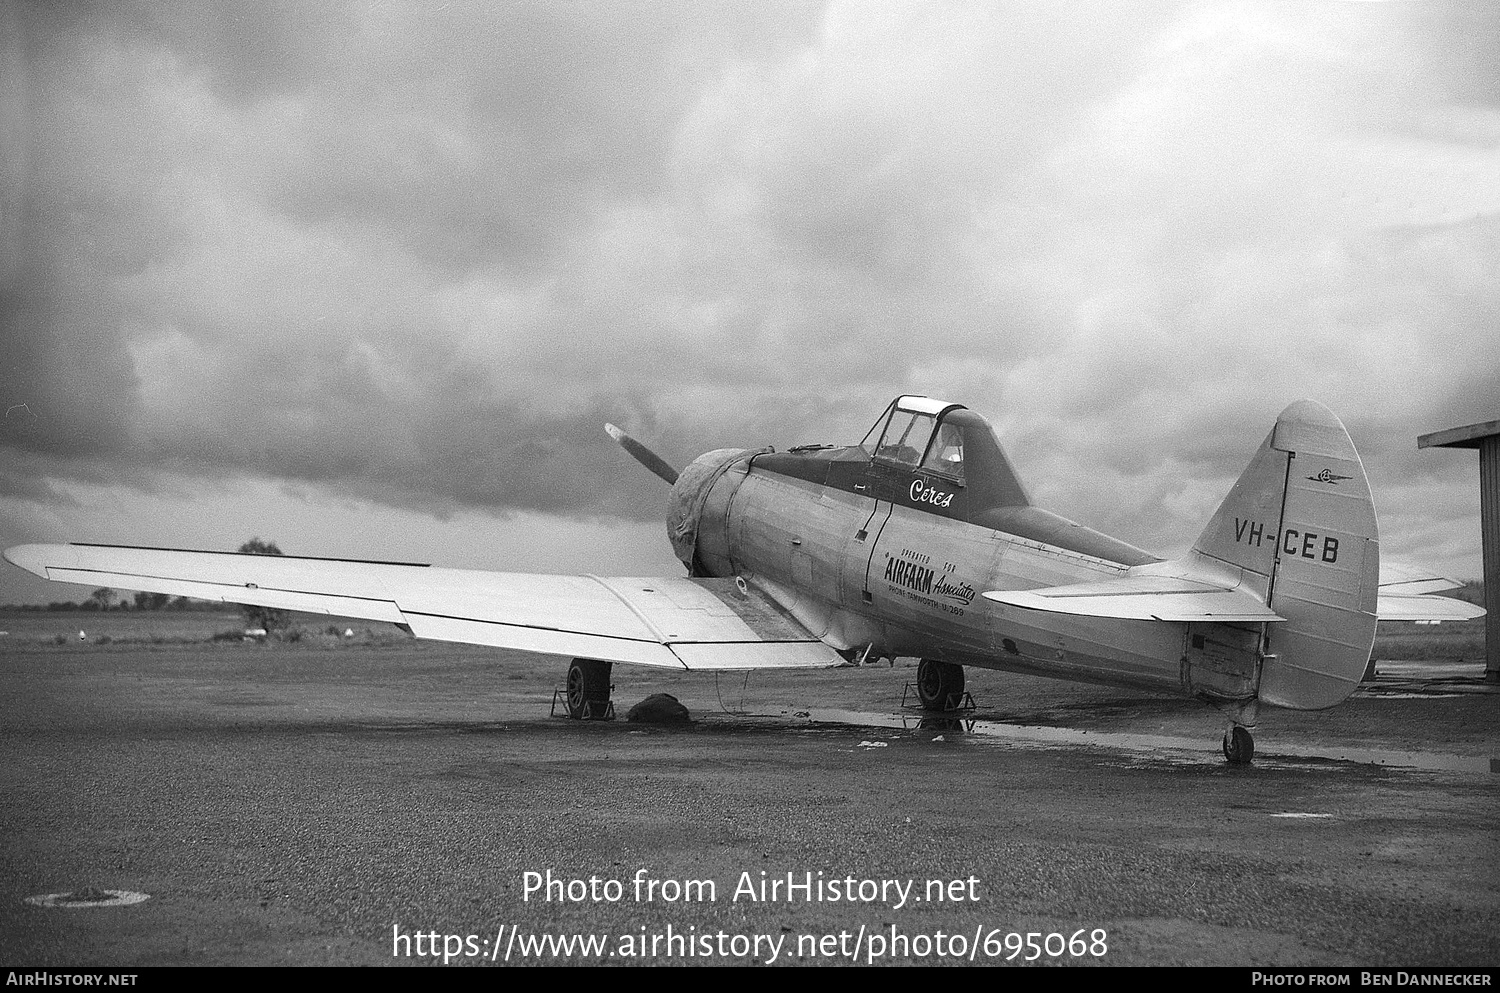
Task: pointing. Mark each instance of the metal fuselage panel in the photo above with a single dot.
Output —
(864, 570)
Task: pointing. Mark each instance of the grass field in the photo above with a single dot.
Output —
(165, 626)
(1397, 640)
(1455, 640)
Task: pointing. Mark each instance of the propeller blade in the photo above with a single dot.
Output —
(643, 455)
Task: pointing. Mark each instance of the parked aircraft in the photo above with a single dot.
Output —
(920, 541)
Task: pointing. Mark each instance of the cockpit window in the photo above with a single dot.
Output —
(906, 437)
(872, 437)
(947, 454)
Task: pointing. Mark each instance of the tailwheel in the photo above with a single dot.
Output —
(940, 685)
(588, 690)
(1239, 746)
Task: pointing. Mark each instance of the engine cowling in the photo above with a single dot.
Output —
(698, 509)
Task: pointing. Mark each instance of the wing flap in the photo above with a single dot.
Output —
(1145, 598)
(549, 641)
(764, 655)
(678, 623)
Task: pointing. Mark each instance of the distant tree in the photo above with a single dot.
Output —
(151, 601)
(100, 599)
(257, 547)
(264, 617)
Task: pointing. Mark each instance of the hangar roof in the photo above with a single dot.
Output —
(1464, 437)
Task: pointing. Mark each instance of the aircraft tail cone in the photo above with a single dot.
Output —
(642, 454)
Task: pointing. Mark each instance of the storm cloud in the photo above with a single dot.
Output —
(415, 256)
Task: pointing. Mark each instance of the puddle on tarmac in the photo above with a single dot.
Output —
(1167, 748)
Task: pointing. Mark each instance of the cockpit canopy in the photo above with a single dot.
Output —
(916, 433)
(940, 457)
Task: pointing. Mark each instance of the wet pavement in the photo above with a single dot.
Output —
(1167, 749)
(1417, 680)
(311, 806)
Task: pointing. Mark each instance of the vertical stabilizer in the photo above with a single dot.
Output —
(1242, 533)
(1299, 528)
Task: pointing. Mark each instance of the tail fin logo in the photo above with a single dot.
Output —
(1331, 478)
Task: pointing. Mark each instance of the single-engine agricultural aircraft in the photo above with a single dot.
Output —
(917, 542)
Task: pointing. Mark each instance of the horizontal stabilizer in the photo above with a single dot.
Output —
(1144, 598)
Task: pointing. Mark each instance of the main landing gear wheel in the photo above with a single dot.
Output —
(940, 685)
(588, 690)
(1239, 747)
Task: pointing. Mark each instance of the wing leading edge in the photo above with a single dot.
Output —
(675, 623)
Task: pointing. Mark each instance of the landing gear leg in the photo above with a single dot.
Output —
(1239, 746)
(588, 690)
(940, 685)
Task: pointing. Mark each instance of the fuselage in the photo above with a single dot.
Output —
(885, 556)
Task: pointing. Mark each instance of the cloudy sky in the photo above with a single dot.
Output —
(368, 279)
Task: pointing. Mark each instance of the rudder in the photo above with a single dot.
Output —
(1299, 529)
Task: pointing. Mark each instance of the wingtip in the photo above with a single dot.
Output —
(32, 558)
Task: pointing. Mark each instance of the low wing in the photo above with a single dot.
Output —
(1144, 598)
(673, 623)
(1404, 596)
